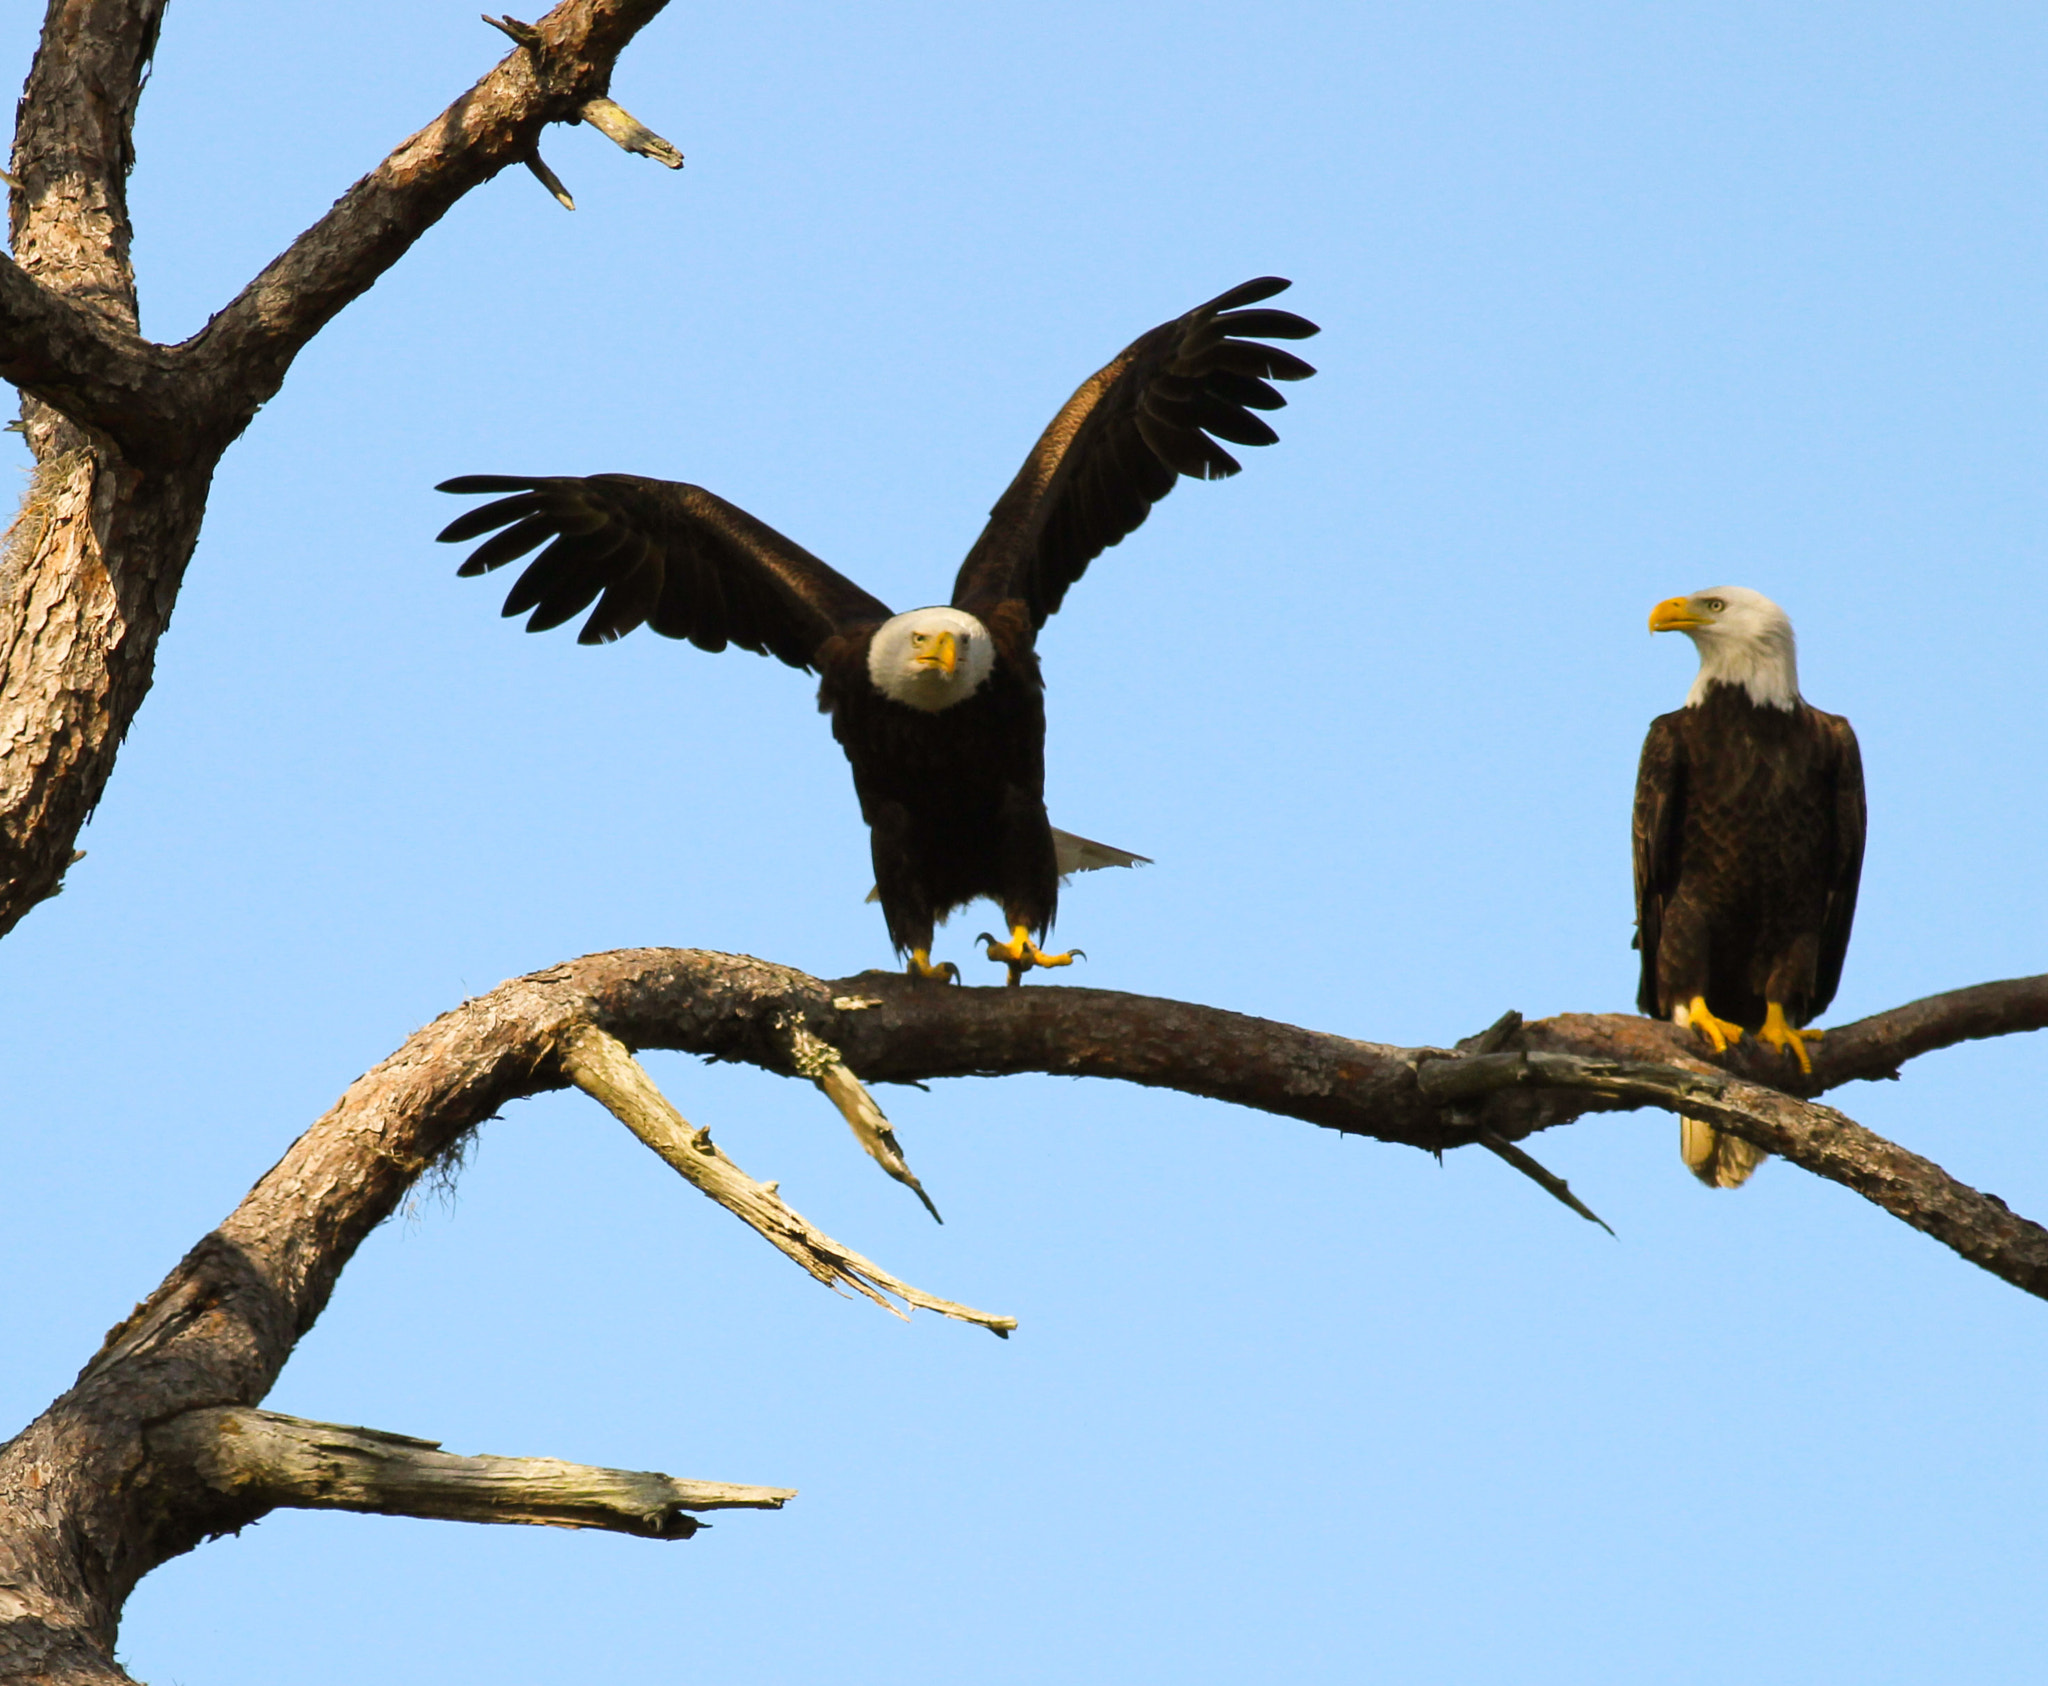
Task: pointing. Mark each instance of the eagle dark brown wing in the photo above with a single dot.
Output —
(1659, 813)
(1121, 442)
(1846, 865)
(687, 563)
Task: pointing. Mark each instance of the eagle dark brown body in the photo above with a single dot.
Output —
(954, 800)
(941, 710)
(1748, 845)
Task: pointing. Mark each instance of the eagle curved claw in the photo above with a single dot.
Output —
(1020, 953)
(1721, 1032)
(921, 967)
(1787, 1037)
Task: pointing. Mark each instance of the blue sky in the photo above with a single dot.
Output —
(1619, 301)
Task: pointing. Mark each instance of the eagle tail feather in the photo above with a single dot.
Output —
(1077, 854)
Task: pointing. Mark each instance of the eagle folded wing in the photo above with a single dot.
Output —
(1847, 864)
(1660, 796)
(1125, 437)
(687, 563)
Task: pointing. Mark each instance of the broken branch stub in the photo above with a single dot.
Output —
(549, 180)
(614, 121)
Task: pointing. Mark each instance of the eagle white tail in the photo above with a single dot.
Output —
(1718, 1161)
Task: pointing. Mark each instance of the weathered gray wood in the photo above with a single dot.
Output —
(599, 1064)
(259, 1461)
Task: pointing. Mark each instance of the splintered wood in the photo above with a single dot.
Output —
(600, 1065)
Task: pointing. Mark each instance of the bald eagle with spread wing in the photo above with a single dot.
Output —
(1748, 847)
(941, 710)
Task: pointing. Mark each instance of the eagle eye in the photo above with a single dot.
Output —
(1716, 604)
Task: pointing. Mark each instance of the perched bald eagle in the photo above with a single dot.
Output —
(941, 710)
(1748, 845)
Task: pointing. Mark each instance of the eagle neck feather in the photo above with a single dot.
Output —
(1765, 664)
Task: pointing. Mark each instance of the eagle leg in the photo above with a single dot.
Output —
(1786, 1037)
(1020, 953)
(1717, 1031)
(921, 967)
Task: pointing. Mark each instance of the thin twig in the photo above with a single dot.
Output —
(1544, 1178)
(524, 33)
(549, 180)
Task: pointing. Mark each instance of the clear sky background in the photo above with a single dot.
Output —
(1619, 301)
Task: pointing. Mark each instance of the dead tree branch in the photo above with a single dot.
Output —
(252, 1462)
(90, 1501)
(126, 433)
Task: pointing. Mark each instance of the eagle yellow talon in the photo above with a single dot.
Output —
(1720, 1032)
(1020, 953)
(921, 967)
(1786, 1037)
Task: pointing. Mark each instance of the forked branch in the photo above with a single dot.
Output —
(141, 426)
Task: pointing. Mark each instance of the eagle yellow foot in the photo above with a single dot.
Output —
(1717, 1031)
(1020, 953)
(921, 967)
(1787, 1038)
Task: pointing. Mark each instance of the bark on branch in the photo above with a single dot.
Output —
(251, 1462)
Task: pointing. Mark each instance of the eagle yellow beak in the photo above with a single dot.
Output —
(1674, 614)
(943, 654)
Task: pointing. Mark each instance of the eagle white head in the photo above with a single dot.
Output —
(930, 659)
(1743, 639)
